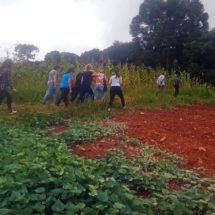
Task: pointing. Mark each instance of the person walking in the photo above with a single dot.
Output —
(66, 86)
(5, 83)
(176, 83)
(115, 89)
(86, 80)
(100, 81)
(52, 85)
(161, 83)
(77, 86)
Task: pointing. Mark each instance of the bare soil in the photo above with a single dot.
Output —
(188, 131)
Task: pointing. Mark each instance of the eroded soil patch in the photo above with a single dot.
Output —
(188, 131)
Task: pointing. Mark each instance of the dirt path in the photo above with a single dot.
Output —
(188, 131)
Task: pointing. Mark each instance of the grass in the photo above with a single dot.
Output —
(41, 176)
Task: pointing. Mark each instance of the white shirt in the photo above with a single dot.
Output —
(161, 80)
(115, 81)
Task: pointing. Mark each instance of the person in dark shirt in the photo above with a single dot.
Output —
(77, 86)
(5, 83)
(86, 83)
(176, 83)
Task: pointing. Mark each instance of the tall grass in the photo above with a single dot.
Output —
(139, 87)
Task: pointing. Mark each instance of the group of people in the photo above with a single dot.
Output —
(161, 84)
(81, 88)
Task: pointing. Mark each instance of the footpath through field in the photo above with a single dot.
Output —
(188, 131)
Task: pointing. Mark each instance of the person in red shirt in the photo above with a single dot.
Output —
(5, 83)
(100, 84)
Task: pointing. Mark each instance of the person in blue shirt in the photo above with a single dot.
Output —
(65, 86)
(176, 83)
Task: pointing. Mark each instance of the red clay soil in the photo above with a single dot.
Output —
(188, 131)
(57, 129)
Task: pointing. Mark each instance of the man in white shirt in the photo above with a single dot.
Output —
(161, 83)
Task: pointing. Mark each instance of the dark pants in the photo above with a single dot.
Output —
(116, 90)
(75, 92)
(63, 96)
(5, 93)
(176, 90)
(83, 91)
(160, 89)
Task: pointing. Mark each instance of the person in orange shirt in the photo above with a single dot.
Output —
(100, 85)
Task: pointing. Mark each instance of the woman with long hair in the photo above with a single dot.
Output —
(66, 86)
(5, 83)
(115, 89)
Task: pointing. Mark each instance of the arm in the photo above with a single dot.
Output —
(70, 84)
(55, 81)
(105, 78)
(120, 80)
(9, 81)
(94, 74)
(110, 81)
(82, 78)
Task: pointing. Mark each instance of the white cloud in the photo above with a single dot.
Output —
(69, 25)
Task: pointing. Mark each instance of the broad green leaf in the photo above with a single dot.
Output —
(40, 190)
(80, 206)
(102, 196)
(118, 205)
(58, 206)
(39, 208)
(4, 211)
(150, 212)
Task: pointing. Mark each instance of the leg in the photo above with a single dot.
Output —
(112, 95)
(90, 92)
(102, 93)
(75, 92)
(5, 93)
(96, 92)
(61, 97)
(176, 91)
(81, 96)
(65, 99)
(54, 95)
(120, 94)
(2, 95)
(9, 101)
(48, 93)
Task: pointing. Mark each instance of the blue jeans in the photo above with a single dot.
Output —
(99, 89)
(51, 91)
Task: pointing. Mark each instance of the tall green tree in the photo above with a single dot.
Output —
(199, 57)
(69, 57)
(165, 26)
(25, 52)
(94, 56)
(53, 57)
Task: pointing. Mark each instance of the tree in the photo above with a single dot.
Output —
(121, 52)
(199, 57)
(69, 57)
(25, 52)
(94, 56)
(53, 57)
(165, 26)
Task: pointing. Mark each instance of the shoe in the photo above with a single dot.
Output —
(109, 109)
(124, 107)
(12, 112)
(42, 103)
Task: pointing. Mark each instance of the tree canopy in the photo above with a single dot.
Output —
(25, 52)
(165, 26)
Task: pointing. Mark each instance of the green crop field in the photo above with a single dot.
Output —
(40, 175)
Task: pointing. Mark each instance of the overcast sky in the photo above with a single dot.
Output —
(70, 25)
